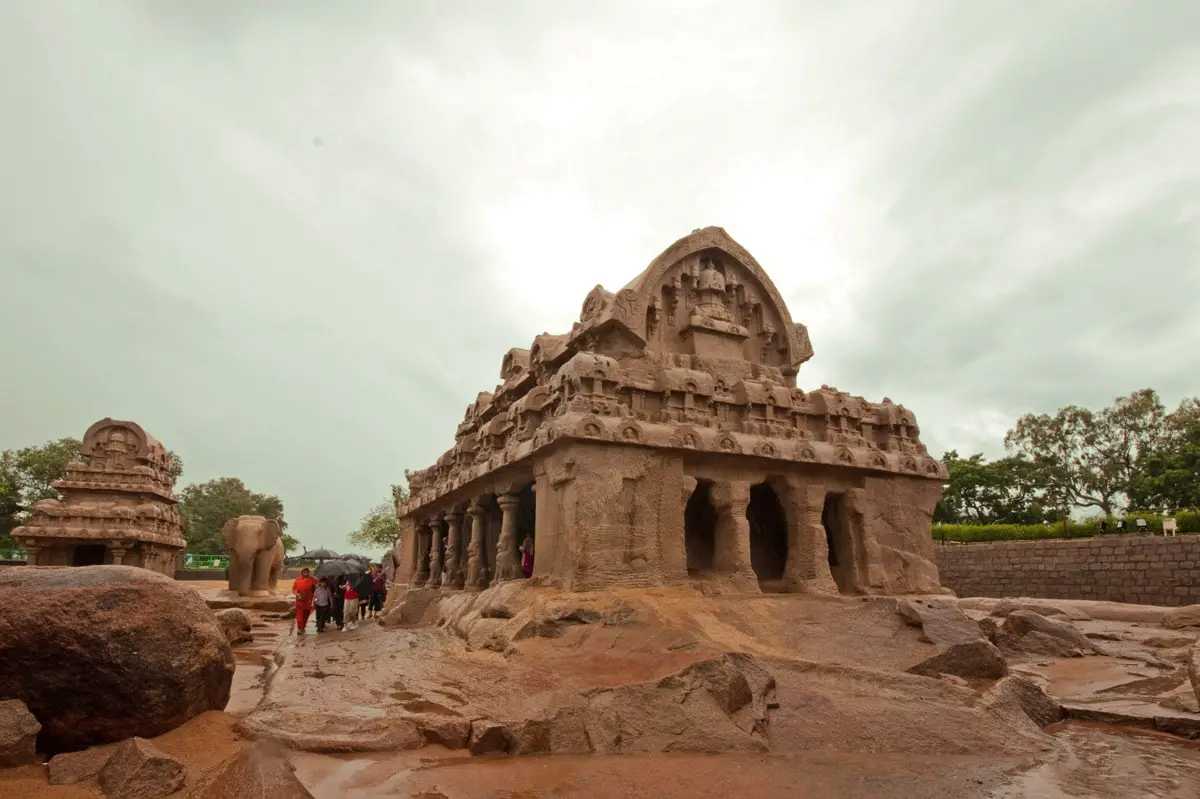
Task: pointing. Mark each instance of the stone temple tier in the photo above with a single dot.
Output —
(663, 440)
(118, 506)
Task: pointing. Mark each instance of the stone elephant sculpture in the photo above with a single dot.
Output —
(255, 546)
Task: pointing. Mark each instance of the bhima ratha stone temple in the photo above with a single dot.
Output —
(663, 440)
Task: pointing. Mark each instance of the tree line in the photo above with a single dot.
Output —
(27, 476)
(1131, 455)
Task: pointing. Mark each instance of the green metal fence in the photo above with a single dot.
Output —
(205, 561)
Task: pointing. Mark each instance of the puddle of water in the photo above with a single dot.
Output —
(1097, 761)
(252, 662)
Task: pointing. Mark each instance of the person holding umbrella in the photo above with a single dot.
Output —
(343, 572)
(339, 599)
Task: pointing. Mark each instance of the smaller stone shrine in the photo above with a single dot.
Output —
(118, 506)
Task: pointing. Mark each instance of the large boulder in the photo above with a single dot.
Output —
(102, 653)
(18, 734)
(139, 770)
(236, 623)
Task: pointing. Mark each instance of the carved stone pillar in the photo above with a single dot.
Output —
(732, 557)
(476, 576)
(807, 569)
(422, 568)
(435, 556)
(869, 572)
(31, 553)
(454, 571)
(118, 552)
(508, 567)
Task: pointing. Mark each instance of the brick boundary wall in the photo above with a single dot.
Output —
(1146, 570)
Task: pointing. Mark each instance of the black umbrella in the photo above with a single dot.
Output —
(357, 557)
(320, 554)
(333, 568)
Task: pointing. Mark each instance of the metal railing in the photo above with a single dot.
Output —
(205, 561)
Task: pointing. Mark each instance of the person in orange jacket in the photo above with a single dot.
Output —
(303, 589)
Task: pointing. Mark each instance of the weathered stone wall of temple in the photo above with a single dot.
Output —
(895, 522)
(1147, 571)
(612, 517)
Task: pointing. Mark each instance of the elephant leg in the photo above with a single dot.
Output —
(262, 573)
(277, 560)
(239, 575)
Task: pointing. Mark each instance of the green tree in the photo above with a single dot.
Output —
(1089, 459)
(379, 529)
(1168, 476)
(1004, 491)
(205, 507)
(27, 476)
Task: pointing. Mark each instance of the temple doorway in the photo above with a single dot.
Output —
(89, 555)
(526, 528)
(836, 522)
(768, 536)
(700, 530)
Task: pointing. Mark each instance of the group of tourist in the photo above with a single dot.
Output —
(344, 599)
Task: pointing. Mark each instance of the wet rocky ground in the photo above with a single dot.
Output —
(658, 708)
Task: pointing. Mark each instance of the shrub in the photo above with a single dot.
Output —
(1185, 521)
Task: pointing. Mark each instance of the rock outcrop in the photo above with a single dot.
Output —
(236, 624)
(488, 737)
(18, 734)
(719, 704)
(72, 767)
(1193, 669)
(1187, 616)
(139, 770)
(1007, 606)
(962, 649)
(148, 650)
(258, 771)
(1026, 632)
(1017, 698)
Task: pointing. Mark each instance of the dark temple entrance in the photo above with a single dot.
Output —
(89, 555)
(526, 527)
(700, 530)
(768, 536)
(837, 536)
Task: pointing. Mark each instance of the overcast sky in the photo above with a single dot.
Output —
(294, 239)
